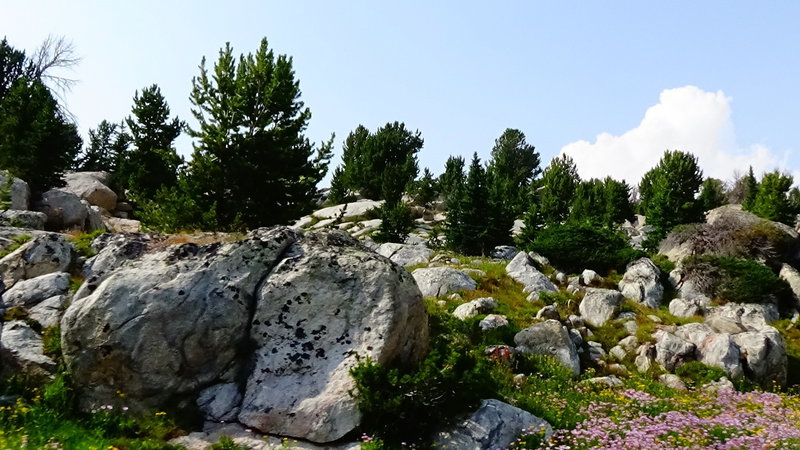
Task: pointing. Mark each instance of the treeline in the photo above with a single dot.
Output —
(253, 166)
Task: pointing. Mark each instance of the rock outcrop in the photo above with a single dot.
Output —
(166, 325)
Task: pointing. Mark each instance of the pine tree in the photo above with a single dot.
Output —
(712, 194)
(37, 143)
(772, 198)
(750, 190)
(152, 161)
(107, 144)
(467, 228)
(425, 190)
(668, 193)
(453, 176)
(557, 188)
(383, 164)
(251, 160)
(514, 164)
(618, 206)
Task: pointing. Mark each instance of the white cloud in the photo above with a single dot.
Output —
(685, 118)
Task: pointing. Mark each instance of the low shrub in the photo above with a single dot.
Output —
(83, 242)
(696, 374)
(403, 404)
(573, 247)
(736, 279)
(16, 242)
(396, 223)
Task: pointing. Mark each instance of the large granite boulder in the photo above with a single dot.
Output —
(522, 270)
(494, 425)
(436, 281)
(323, 309)
(24, 219)
(792, 276)
(600, 305)
(552, 339)
(64, 209)
(264, 330)
(169, 322)
(92, 187)
(642, 283)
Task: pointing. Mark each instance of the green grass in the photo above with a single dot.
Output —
(83, 242)
(16, 242)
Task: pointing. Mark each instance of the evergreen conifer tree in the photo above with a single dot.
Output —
(750, 190)
(152, 161)
(252, 162)
(557, 188)
(668, 193)
(452, 177)
(772, 198)
(466, 227)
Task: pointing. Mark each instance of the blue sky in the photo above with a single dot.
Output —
(611, 84)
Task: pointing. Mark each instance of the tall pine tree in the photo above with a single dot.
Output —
(251, 162)
(152, 161)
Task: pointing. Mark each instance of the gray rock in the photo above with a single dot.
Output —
(672, 381)
(483, 305)
(113, 251)
(494, 425)
(764, 354)
(631, 326)
(629, 343)
(493, 321)
(25, 219)
(28, 293)
(549, 338)
(642, 283)
(326, 306)
(220, 402)
(88, 186)
(22, 352)
(504, 252)
(712, 349)
(436, 281)
(723, 384)
(45, 253)
(63, 209)
(548, 312)
(590, 276)
(610, 381)
(792, 276)
(48, 313)
(751, 316)
(596, 352)
(600, 305)
(405, 255)
(118, 225)
(171, 321)
(672, 351)
(248, 438)
(682, 308)
(618, 352)
(347, 210)
(94, 218)
(645, 357)
(20, 192)
(522, 270)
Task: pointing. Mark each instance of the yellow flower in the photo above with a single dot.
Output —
(161, 413)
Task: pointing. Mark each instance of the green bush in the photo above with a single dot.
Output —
(401, 404)
(83, 243)
(736, 279)
(697, 374)
(396, 223)
(573, 247)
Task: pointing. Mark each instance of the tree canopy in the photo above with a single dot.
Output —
(252, 163)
